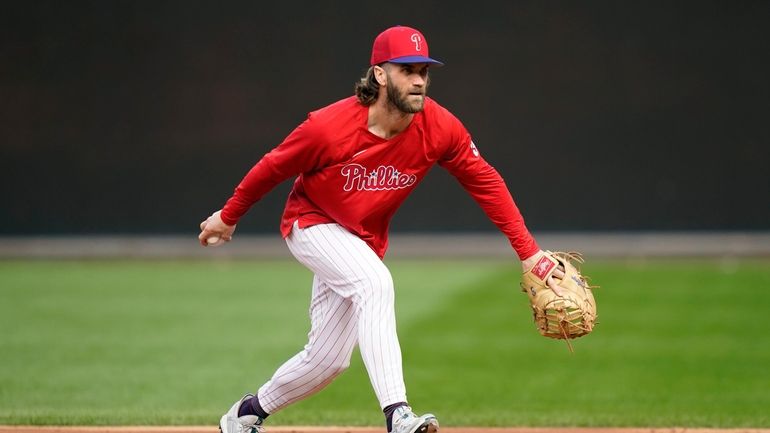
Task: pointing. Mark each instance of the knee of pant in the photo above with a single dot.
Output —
(335, 367)
(381, 283)
(342, 366)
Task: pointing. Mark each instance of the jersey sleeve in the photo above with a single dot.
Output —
(463, 160)
(305, 149)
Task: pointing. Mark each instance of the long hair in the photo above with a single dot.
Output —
(367, 88)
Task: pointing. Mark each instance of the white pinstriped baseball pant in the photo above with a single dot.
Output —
(352, 303)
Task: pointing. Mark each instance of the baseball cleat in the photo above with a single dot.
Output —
(405, 421)
(232, 423)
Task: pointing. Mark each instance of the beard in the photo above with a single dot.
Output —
(401, 100)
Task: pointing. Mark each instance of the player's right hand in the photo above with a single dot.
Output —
(214, 231)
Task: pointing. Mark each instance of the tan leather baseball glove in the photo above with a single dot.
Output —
(569, 315)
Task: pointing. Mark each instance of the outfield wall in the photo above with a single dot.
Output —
(142, 117)
(596, 245)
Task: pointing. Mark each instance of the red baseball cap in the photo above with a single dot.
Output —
(401, 44)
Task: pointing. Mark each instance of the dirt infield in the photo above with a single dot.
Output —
(298, 429)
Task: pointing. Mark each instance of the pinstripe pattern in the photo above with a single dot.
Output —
(352, 303)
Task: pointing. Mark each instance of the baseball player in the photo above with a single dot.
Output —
(355, 162)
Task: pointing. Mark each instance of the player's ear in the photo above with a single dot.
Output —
(380, 75)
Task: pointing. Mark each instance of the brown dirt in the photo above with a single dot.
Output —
(299, 429)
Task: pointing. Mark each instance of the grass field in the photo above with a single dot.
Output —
(684, 343)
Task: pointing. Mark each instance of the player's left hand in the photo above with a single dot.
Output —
(558, 273)
(566, 315)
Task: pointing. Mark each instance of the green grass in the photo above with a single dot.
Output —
(684, 343)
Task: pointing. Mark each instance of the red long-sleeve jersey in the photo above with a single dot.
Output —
(349, 176)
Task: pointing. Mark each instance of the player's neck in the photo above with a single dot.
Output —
(386, 121)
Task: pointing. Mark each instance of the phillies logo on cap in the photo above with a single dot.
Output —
(416, 38)
(401, 44)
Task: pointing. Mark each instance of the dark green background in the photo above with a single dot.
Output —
(141, 116)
